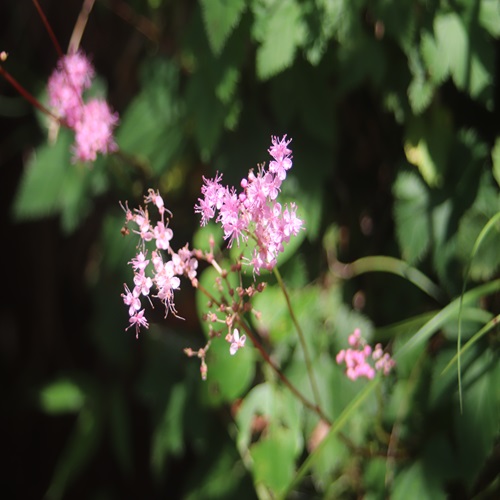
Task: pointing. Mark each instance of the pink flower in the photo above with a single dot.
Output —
(94, 130)
(357, 358)
(132, 300)
(163, 235)
(92, 121)
(254, 212)
(73, 74)
(138, 320)
(237, 342)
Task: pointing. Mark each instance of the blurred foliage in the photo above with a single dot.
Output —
(393, 111)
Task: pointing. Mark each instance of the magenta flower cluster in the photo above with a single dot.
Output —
(153, 272)
(356, 358)
(92, 121)
(254, 212)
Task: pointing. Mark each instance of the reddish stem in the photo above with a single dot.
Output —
(313, 407)
(48, 28)
(29, 97)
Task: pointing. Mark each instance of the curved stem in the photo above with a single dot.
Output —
(302, 339)
(80, 24)
(313, 407)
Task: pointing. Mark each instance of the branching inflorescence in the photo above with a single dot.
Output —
(254, 215)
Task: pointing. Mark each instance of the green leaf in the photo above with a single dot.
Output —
(221, 17)
(416, 479)
(273, 460)
(79, 449)
(495, 157)
(62, 396)
(489, 16)
(481, 407)
(150, 129)
(485, 261)
(280, 29)
(428, 144)
(169, 432)
(411, 214)
(42, 185)
(228, 376)
(275, 320)
(461, 51)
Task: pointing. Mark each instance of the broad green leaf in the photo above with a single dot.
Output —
(419, 481)
(168, 435)
(489, 16)
(280, 29)
(258, 402)
(429, 139)
(41, 189)
(275, 320)
(481, 407)
(411, 209)
(221, 17)
(62, 396)
(462, 51)
(150, 129)
(486, 260)
(228, 376)
(273, 460)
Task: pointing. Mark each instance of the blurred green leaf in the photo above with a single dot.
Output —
(168, 436)
(481, 408)
(220, 18)
(151, 128)
(228, 376)
(495, 156)
(280, 30)
(78, 451)
(273, 460)
(420, 481)
(62, 396)
(411, 208)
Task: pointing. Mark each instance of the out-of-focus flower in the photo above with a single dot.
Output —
(359, 358)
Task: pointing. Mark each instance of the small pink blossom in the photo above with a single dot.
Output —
(138, 320)
(93, 122)
(94, 130)
(132, 300)
(359, 358)
(73, 74)
(237, 342)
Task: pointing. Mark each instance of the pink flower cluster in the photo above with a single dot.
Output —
(355, 358)
(92, 121)
(254, 212)
(155, 272)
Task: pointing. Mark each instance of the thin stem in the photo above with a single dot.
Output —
(48, 28)
(302, 339)
(29, 97)
(80, 24)
(313, 407)
(203, 290)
